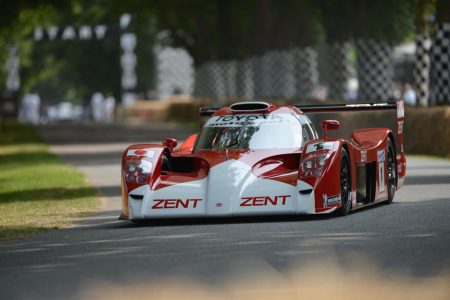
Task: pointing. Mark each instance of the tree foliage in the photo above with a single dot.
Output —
(208, 29)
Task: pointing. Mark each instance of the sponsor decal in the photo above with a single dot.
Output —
(319, 146)
(252, 119)
(363, 156)
(359, 105)
(400, 127)
(331, 201)
(381, 176)
(264, 200)
(381, 155)
(141, 152)
(367, 105)
(175, 203)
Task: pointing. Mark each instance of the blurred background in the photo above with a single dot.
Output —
(84, 79)
(140, 61)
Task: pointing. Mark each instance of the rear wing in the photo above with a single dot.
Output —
(206, 112)
(327, 108)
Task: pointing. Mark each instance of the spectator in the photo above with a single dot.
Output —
(109, 107)
(97, 107)
(409, 95)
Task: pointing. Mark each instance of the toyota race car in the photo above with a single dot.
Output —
(255, 158)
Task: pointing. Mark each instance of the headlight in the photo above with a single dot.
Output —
(321, 159)
(138, 171)
(131, 167)
(308, 163)
(131, 178)
(145, 167)
(313, 163)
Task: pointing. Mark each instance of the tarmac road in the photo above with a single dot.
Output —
(410, 236)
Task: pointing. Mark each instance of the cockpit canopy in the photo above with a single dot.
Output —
(255, 131)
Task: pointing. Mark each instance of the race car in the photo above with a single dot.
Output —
(257, 158)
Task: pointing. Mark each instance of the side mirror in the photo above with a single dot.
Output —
(170, 142)
(329, 125)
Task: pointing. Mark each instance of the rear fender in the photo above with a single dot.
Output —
(187, 146)
(370, 147)
(370, 139)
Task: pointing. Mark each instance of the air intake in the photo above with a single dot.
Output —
(249, 106)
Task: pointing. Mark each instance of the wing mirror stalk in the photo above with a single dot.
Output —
(329, 125)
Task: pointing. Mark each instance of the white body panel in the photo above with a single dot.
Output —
(231, 189)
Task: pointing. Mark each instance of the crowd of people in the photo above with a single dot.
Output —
(101, 110)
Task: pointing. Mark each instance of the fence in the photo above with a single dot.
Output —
(357, 70)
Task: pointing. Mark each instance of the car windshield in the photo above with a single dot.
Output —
(252, 131)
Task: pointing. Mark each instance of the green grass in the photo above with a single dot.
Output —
(38, 191)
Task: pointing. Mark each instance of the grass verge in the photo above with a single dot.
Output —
(38, 191)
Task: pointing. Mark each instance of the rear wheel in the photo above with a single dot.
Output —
(391, 171)
(346, 184)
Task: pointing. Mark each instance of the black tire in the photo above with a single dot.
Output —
(391, 170)
(346, 184)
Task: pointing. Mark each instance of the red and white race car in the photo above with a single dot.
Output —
(255, 158)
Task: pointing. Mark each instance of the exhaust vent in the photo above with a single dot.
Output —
(249, 106)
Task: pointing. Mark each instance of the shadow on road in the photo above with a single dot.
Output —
(47, 194)
(94, 159)
(215, 221)
(106, 218)
(425, 180)
(110, 191)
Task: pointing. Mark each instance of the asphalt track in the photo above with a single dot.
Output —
(410, 236)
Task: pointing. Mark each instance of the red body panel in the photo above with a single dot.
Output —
(187, 146)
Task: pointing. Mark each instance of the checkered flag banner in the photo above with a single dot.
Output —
(421, 73)
(441, 64)
(338, 69)
(273, 75)
(374, 67)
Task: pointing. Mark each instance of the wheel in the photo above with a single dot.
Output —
(346, 184)
(391, 171)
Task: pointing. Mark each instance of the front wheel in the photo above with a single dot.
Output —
(346, 184)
